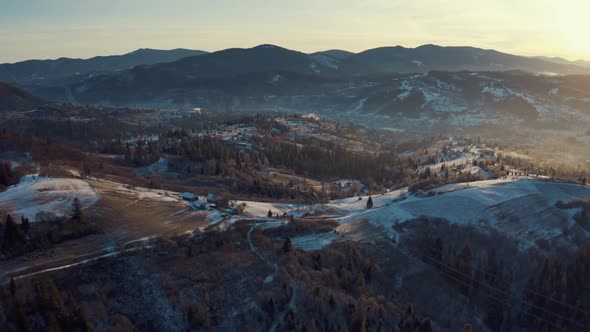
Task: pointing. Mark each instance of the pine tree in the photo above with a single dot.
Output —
(52, 324)
(287, 245)
(360, 282)
(198, 317)
(271, 306)
(466, 268)
(25, 224)
(359, 322)
(217, 168)
(426, 326)
(77, 213)
(438, 251)
(22, 324)
(13, 235)
(370, 203)
(311, 326)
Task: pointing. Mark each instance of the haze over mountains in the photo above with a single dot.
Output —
(269, 57)
(35, 71)
(403, 189)
(581, 63)
(394, 87)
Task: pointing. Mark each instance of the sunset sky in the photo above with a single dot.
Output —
(54, 28)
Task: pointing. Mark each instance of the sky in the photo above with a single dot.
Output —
(45, 29)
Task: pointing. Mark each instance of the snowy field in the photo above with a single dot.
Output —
(34, 196)
(523, 208)
(519, 207)
(260, 209)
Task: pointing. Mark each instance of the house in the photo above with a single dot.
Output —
(211, 198)
(190, 197)
(199, 205)
(219, 202)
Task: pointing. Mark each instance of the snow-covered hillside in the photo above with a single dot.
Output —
(34, 196)
(521, 208)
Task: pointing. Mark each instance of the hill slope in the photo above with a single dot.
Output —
(36, 195)
(438, 101)
(524, 209)
(14, 99)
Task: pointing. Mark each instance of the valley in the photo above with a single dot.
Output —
(403, 189)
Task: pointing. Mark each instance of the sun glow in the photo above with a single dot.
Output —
(524, 27)
(571, 22)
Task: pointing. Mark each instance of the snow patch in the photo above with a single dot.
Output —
(520, 207)
(160, 166)
(418, 63)
(275, 79)
(496, 92)
(360, 105)
(35, 195)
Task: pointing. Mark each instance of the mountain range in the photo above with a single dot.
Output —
(39, 71)
(389, 86)
(262, 70)
(581, 63)
(432, 57)
(180, 64)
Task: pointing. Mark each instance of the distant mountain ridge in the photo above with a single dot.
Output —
(581, 63)
(237, 72)
(336, 54)
(230, 68)
(36, 71)
(450, 58)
